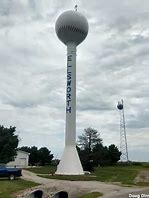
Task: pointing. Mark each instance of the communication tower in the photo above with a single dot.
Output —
(123, 138)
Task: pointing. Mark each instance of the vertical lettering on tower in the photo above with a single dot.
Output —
(69, 83)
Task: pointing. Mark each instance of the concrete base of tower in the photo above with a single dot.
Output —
(70, 163)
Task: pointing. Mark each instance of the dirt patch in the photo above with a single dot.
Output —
(143, 176)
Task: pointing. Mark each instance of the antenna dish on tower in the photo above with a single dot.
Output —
(120, 105)
(76, 8)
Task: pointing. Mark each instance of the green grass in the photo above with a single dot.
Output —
(91, 195)
(42, 169)
(125, 174)
(7, 187)
(145, 165)
(143, 184)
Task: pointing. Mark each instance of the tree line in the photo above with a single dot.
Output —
(92, 152)
(9, 147)
(90, 149)
(40, 157)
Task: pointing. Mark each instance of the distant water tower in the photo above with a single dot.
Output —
(71, 28)
(123, 138)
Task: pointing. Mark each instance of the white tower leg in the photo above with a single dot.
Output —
(70, 163)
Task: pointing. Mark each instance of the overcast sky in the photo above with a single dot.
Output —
(112, 63)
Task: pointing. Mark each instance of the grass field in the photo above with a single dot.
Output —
(123, 174)
(42, 169)
(7, 187)
(91, 195)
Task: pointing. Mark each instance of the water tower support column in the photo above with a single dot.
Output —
(70, 163)
(70, 138)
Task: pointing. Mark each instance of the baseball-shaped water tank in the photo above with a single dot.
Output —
(71, 26)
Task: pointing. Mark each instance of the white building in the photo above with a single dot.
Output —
(20, 161)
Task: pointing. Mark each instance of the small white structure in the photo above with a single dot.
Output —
(20, 161)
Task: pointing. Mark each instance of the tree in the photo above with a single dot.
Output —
(40, 156)
(86, 159)
(8, 144)
(104, 155)
(89, 139)
(92, 152)
(100, 155)
(25, 148)
(34, 156)
(45, 156)
(114, 154)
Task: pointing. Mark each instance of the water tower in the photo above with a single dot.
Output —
(71, 28)
(123, 138)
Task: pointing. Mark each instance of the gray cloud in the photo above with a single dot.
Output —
(112, 63)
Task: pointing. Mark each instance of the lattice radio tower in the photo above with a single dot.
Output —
(123, 138)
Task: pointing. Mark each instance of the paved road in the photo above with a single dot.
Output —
(78, 187)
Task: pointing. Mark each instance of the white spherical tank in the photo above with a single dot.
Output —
(71, 26)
